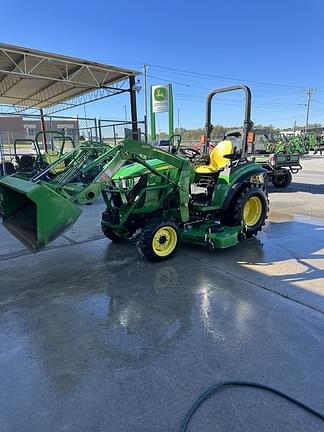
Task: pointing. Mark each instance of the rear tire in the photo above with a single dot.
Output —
(111, 234)
(159, 240)
(250, 206)
(282, 180)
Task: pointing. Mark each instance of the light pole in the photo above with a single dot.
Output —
(145, 67)
(178, 120)
(125, 110)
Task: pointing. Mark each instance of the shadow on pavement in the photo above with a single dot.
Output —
(316, 189)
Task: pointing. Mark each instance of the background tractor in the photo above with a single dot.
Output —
(154, 197)
(30, 158)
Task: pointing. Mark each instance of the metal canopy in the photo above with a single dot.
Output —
(35, 79)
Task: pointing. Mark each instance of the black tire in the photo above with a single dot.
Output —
(148, 233)
(266, 180)
(234, 216)
(110, 233)
(282, 180)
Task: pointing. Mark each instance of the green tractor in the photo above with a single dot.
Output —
(152, 196)
(29, 159)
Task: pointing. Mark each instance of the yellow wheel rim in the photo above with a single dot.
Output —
(164, 241)
(252, 211)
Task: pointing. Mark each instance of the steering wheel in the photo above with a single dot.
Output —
(234, 134)
(189, 152)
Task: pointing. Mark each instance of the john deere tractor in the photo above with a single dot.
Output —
(152, 196)
(29, 159)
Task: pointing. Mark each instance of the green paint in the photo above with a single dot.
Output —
(160, 94)
(35, 213)
(202, 235)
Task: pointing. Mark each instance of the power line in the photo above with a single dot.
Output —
(170, 81)
(191, 82)
(235, 102)
(274, 103)
(224, 78)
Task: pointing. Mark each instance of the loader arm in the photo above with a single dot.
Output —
(134, 151)
(39, 210)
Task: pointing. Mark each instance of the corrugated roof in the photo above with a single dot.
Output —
(36, 79)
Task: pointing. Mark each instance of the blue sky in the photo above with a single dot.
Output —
(275, 47)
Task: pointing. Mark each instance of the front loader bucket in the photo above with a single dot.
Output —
(34, 213)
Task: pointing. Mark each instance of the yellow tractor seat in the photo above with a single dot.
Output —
(217, 159)
(52, 156)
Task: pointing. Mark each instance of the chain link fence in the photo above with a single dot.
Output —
(18, 133)
(112, 131)
(25, 129)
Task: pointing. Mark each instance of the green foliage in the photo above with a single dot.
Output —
(218, 132)
(310, 126)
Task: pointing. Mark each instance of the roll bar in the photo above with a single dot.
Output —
(248, 124)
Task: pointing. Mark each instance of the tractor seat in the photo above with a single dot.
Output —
(217, 159)
(26, 162)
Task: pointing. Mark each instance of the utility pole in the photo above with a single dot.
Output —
(309, 94)
(43, 128)
(125, 111)
(145, 67)
(178, 120)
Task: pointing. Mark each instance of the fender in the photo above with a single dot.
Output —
(239, 184)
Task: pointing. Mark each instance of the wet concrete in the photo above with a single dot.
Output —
(94, 338)
(305, 194)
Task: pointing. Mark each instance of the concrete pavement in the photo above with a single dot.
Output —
(305, 195)
(94, 338)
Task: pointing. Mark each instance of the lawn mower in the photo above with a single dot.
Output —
(152, 196)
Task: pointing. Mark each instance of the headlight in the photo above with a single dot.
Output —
(127, 184)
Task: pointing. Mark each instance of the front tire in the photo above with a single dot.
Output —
(250, 207)
(110, 233)
(159, 240)
(282, 180)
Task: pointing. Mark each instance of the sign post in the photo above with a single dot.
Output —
(161, 101)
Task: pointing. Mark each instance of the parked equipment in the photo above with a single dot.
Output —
(29, 159)
(152, 196)
(57, 147)
(277, 157)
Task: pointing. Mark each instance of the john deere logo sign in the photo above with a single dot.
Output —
(160, 94)
(160, 98)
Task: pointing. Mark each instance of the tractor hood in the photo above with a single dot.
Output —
(138, 170)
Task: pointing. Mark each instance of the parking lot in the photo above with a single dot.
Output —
(94, 338)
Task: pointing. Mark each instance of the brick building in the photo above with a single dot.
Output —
(17, 127)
